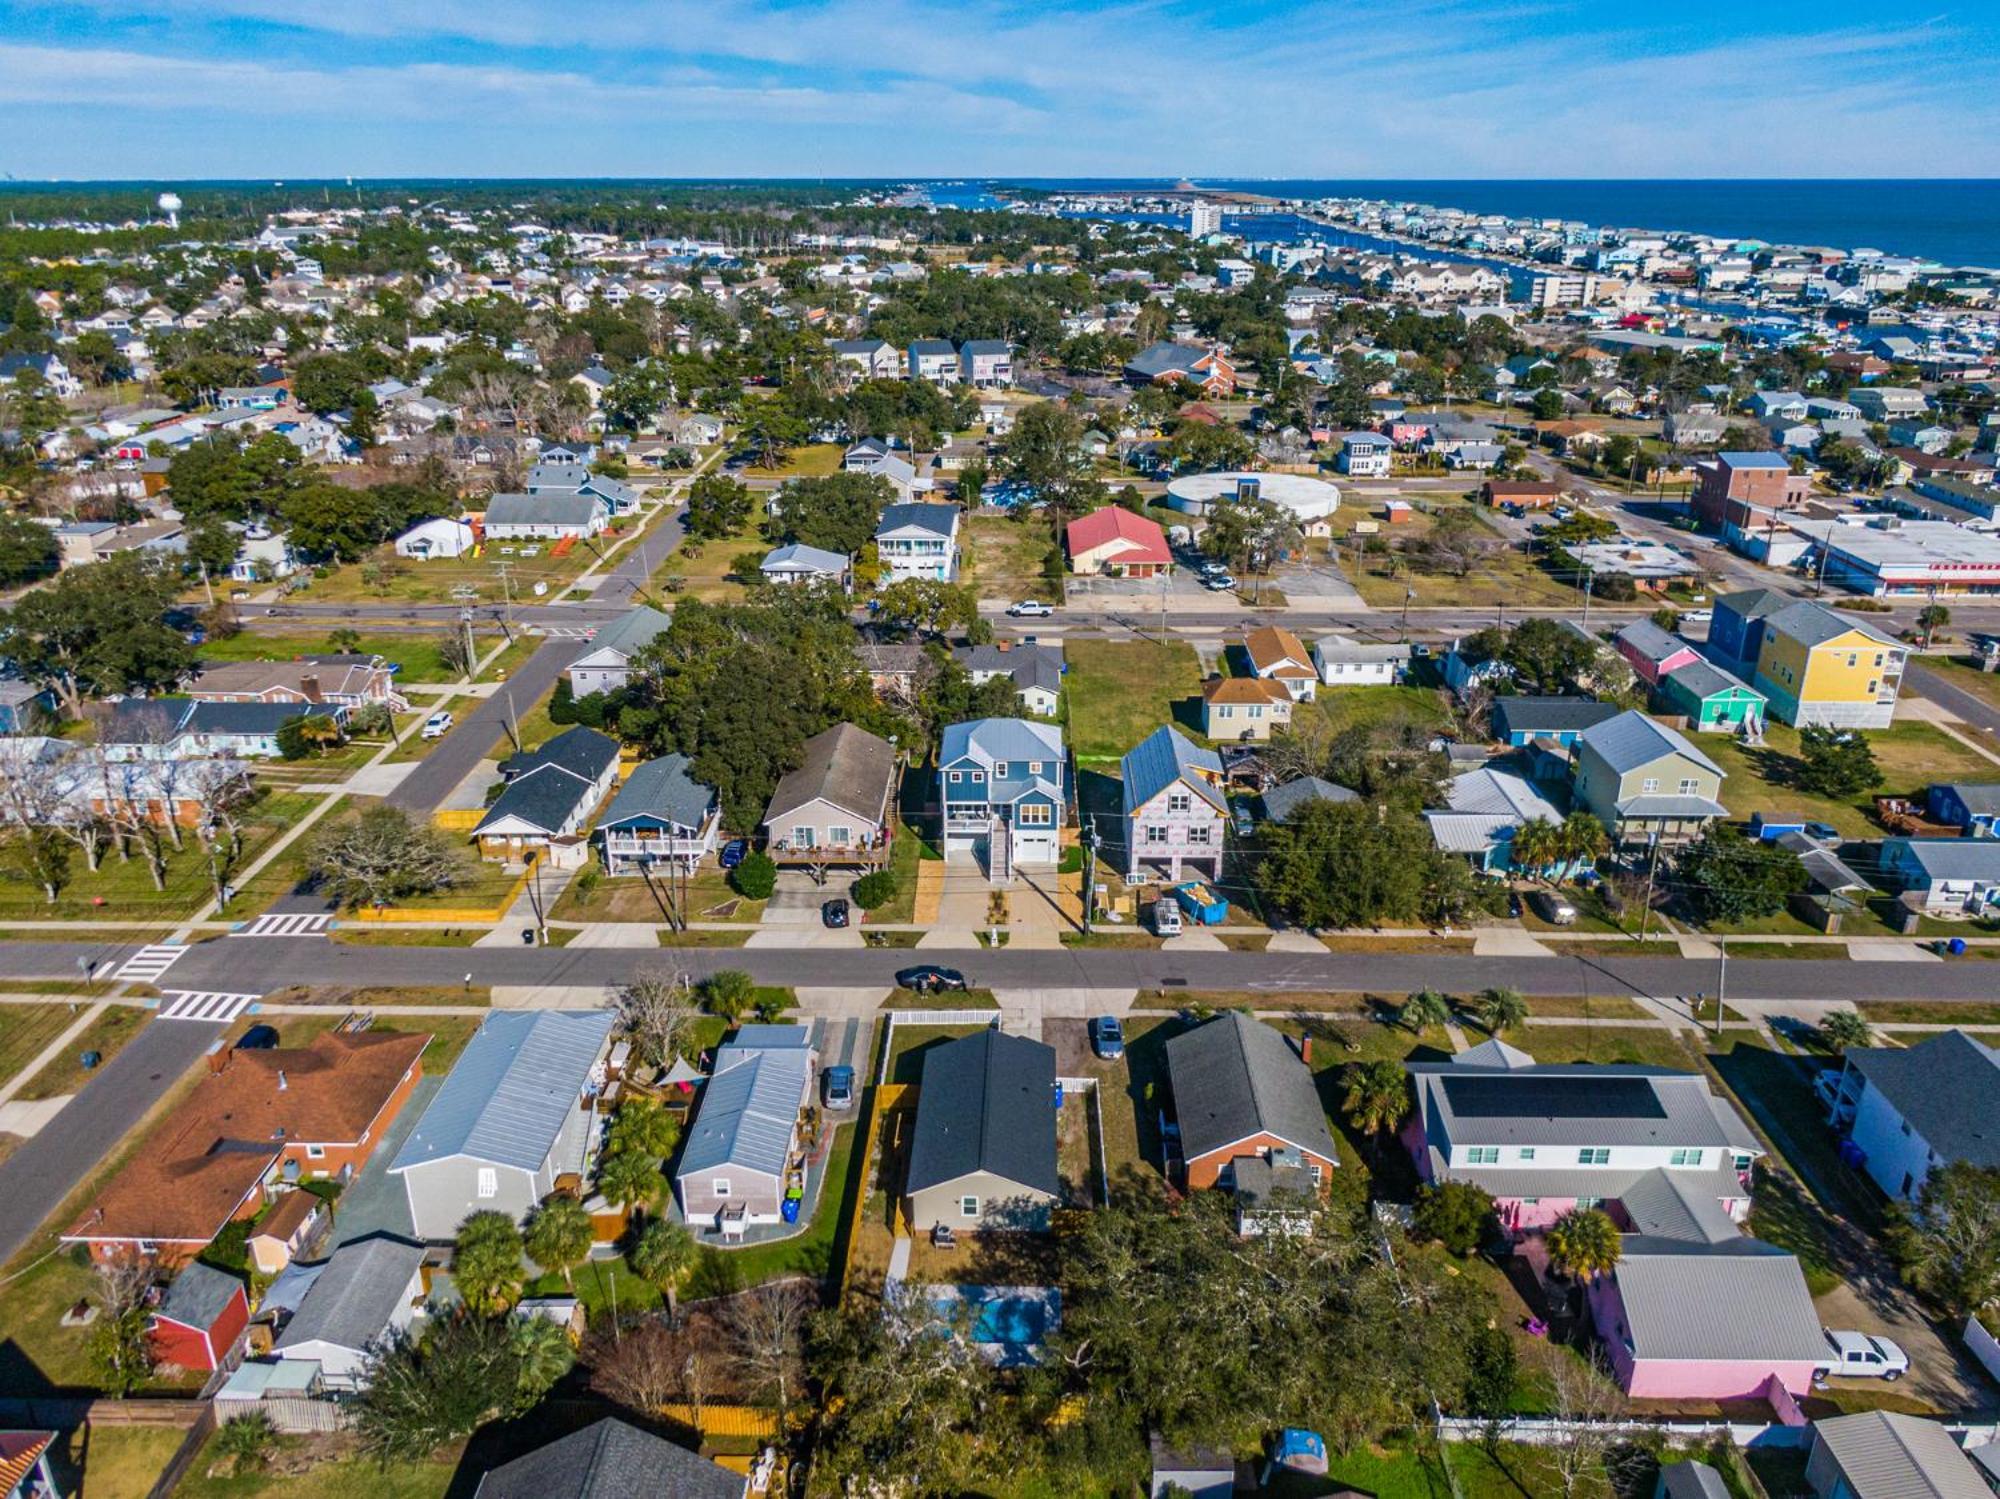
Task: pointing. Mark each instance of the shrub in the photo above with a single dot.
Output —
(1456, 1214)
(755, 878)
(874, 889)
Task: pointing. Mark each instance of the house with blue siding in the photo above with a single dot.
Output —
(661, 815)
(1483, 811)
(1973, 807)
(1521, 721)
(1004, 790)
(1712, 700)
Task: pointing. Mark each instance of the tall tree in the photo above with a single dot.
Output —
(486, 1262)
(558, 1236)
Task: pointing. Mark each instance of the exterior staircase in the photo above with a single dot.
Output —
(999, 853)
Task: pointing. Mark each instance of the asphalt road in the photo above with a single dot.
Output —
(259, 966)
(48, 1167)
(1975, 710)
(454, 757)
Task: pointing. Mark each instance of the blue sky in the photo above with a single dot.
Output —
(803, 88)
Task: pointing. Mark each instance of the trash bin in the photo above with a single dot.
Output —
(527, 936)
(1956, 947)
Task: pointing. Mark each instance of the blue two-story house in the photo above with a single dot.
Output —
(1003, 784)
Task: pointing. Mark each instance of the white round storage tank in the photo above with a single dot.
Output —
(1307, 498)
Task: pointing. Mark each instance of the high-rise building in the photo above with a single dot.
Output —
(1204, 219)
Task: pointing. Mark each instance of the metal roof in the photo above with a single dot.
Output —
(1164, 758)
(513, 1087)
(1888, 1455)
(1738, 1300)
(1811, 625)
(938, 520)
(360, 1289)
(1235, 1077)
(629, 631)
(1946, 1088)
(987, 1104)
(749, 1107)
(1631, 740)
(1281, 803)
(1650, 641)
(989, 740)
(1499, 793)
(1704, 679)
(1949, 858)
(551, 509)
(797, 556)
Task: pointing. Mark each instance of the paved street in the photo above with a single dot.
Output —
(453, 757)
(48, 1167)
(248, 967)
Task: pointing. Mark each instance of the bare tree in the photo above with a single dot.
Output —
(650, 1363)
(221, 790)
(119, 1346)
(657, 1005)
(767, 1329)
(1589, 1406)
(33, 807)
(129, 799)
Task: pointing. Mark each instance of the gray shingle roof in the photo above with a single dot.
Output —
(1951, 858)
(1650, 641)
(1235, 1077)
(844, 765)
(750, 1103)
(632, 629)
(1612, 1103)
(198, 1295)
(1981, 798)
(1946, 1087)
(1691, 1480)
(1632, 739)
(1812, 625)
(1281, 803)
(987, 1104)
(545, 799)
(514, 1085)
(1548, 715)
(1161, 759)
(356, 1294)
(243, 718)
(1888, 1455)
(1028, 665)
(1704, 679)
(1738, 1300)
(661, 788)
(940, 520)
(611, 1460)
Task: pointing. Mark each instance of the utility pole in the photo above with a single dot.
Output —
(513, 723)
(471, 655)
(1089, 872)
(1589, 578)
(1652, 865)
(1721, 980)
(1408, 594)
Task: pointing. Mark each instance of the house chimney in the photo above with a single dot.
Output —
(309, 685)
(219, 1054)
(282, 1084)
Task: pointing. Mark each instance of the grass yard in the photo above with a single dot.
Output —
(1383, 710)
(117, 1462)
(814, 461)
(418, 655)
(1504, 577)
(1912, 755)
(105, 1035)
(531, 722)
(703, 567)
(1004, 558)
(125, 889)
(26, 1029)
(1653, 1045)
(482, 883)
(342, 1474)
(906, 1052)
(383, 577)
(905, 853)
(414, 746)
(631, 898)
(1119, 691)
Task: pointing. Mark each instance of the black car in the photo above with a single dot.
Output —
(834, 913)
(930, 979)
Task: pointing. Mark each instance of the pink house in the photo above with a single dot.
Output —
(1652, 651)
(1684, 1321)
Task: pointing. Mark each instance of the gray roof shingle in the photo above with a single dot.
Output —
(198, 1295)
(356, 1294)
(987, 1104)
(1947, 1088)
(845, 766)
(1281, 803)
(611, 1460)
(664, 789)
(1235, 1077)
(1548, 715)
(514, 1085)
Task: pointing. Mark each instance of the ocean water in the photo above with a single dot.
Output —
(1956, 221)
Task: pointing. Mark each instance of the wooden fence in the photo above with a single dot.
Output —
(883, 1099)
(726, 1422)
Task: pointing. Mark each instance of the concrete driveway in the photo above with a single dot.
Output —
(792, 915)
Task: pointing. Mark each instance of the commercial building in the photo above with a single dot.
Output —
(1912, 557)
(1729, 485)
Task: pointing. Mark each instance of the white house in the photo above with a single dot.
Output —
(918, 540)
(1910, 1109)
(799, 563)
(606, 666)
(935, 360)
(1356, 663)
(1365, 455)
(511, 517)
(431, 539)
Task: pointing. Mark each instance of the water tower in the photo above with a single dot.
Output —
(170, 205)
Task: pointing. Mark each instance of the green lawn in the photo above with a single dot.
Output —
(418, 655)
(1652, 1045)
(1383, 710)
(1119, 691)
(104, 1035)
(1911, 755)
(124, 889)
(334, 1479)
(118, 1462)
(906, 1055)
(516, 566)
(905, 853)
(1004, 558)
(703, 567)
(26, 1029)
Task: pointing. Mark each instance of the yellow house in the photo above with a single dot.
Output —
(1818, 668)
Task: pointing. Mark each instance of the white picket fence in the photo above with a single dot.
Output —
(927, 1017)
(1549, 1431)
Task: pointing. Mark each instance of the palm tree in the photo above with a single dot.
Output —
(1583, 1243)
(486, 1263)
(630, 1179)
(661, 1255)
(1378, 1096)
(641, 1127)
(1538, 844)
(559, 1235)
(1583, 839)
(729, 993)
(1426, 1007)
(1502, 1009)
(1843, 1029)
(544, 1350)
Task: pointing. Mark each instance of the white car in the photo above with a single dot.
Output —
(1029, 609)
(437, 725)
(1697, 616)
(1218, 583)
(1858, 1355)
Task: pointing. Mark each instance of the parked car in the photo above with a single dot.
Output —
(837, 1087)
(928, 978)
(1826, 832)
(1858, 1355)
(1107, 1038)
(1167, 917)
(437, 725)
(733, 852)
(1697, 616)
(834, 912)
(1219, 583)
(1029, 609)
(1552, 908)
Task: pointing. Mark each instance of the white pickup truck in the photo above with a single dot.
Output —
(1858, 1355)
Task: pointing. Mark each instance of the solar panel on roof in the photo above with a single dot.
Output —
(1546, 1097)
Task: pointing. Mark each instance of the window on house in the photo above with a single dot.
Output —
(1531, 1202)
(978, 778)
(968, 1207)
(1649, 785)
(1034, 767)
(1685, 1157)
(489, 1182)
(1256, 710)
(1589, 1202)
(1318, 1172)
(315, 1152)
(1155, 833)
(1036, 815)
(1527, 1152)
(719, 1187)
(840, 837)
(999, 770)
(1179, 801)
(1594, 1155)
(1482, 1155)
(1690, 786)
(1199, 834)
(804, 837)
(956, 777)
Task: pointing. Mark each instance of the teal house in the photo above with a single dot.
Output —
(1712, 700)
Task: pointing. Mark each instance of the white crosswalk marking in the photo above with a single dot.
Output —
(148, 963)
(202, 1005)
(291, 924)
